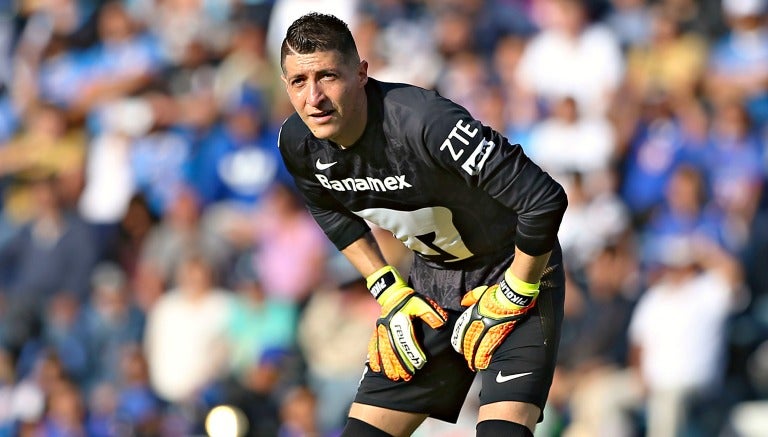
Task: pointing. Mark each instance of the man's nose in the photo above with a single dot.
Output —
(316, 94)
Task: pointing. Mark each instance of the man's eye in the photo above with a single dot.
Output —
(297, 82)
(329, 76)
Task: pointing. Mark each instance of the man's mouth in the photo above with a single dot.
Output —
(322, 115)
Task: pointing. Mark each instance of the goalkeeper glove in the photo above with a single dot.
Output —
(492, 314)
(393, 346)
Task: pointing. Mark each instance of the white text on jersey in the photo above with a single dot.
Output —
(477, 159)
(456, 133)
(389, 183)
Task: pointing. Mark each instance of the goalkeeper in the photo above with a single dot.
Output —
(485, 292)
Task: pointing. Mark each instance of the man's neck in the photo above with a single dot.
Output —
(361, 124)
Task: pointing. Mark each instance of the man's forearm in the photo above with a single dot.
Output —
(529, 268)
(365, 255)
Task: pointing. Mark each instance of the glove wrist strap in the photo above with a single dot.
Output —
(517, 291)
(381, 280)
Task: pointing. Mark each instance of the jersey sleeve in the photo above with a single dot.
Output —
(486, 159)
(340, 225)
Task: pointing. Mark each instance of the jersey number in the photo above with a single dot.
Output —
(428, 231)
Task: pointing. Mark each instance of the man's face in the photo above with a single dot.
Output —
(328, 94)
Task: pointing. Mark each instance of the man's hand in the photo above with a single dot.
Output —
(492, 314)
(393, 346)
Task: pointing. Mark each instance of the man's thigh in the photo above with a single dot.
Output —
(522, 368)
(437, 390)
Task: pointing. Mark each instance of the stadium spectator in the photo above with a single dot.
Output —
(680, 354)
(123, 61)
(51, 254)
(756, 250)
(569, 42)
(736, 172)
(169, 241)
(185, 356)
(7, 388)
(521, 109)
(235, 166)
(297, 413)
(133, 229)
(65, 334)
(669, 61)
(46, 145)
(290, 249)
(413, 58)
(65, 411)
(590, 206)
(178, 24)
(158, 160)
(651, 155)
(600, 392)
(703, 17)
(568, 141)
(258, 392)
(247, 66)
(738, 60)
(333, 333)
(126, 404)
(112, 321)
(464, 80)
(34, 386)
(685, 212)
(110, 184)
(630, 21)
(138, 406)
(257, 322)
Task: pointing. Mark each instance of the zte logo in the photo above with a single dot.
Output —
(459, 138)
(389, 183)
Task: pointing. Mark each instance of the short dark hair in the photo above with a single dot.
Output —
(315, 32)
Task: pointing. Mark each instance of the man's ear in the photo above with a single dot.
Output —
(362, 72)
(285, 80)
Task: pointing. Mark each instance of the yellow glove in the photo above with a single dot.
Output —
(393, 346)
(492, 314)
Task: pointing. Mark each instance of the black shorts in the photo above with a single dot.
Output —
(521, 368)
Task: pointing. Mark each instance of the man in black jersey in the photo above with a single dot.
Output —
(482, 219)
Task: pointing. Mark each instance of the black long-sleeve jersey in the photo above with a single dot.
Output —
(450, 188)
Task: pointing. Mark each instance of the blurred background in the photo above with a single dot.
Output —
(159, 276)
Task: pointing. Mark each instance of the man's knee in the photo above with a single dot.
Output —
(523, 413)
(393, 422)
(358, 428)
(493, 428)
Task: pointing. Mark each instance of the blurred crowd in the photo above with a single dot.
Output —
(156, 262)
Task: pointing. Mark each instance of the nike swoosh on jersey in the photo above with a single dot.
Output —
(501, 378)
(323, 165)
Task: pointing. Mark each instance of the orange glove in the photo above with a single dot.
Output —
(393, 346)
(492, 314)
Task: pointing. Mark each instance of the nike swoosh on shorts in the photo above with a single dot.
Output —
(501, 378)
